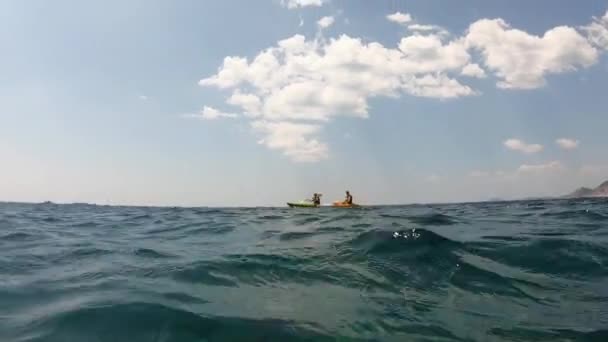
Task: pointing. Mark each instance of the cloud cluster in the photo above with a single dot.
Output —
(317, 80)
(473, 70)
(399, 18)
(294, 139)
(292, 4)
(522, 146)
(298, 84)
(521, 60)
(567, 144)
(325, 22)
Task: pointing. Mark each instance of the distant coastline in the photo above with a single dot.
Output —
(599, 191)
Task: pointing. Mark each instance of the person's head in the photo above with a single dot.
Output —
(347, 192)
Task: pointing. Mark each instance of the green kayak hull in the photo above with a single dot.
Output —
(301, 205)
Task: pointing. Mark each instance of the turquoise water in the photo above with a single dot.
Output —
(508, 271)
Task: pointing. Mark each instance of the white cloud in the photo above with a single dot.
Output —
(210, 113)
(550, 166)
(293, 139)
(292, 4)
(523, 60)
(143, 97)
(230, 74)
(473, 70)
(419, 28)
(399, 18)
(597, 31)
(426, 54)
(325, 22)
(436, 86)
(519, 145)
(318, 80)
(251, 104)
(567, 144)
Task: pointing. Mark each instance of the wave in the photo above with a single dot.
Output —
(576, 214)
(212, 229)
(548, 334)
(389, 242)
(19, 236)
(556, 257)
(428, 272)
(154, 322)
(433, 220)
(151, 253)
(296, 235)
(332, 229)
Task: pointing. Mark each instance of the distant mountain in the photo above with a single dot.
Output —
(581, 192)
(600, 191)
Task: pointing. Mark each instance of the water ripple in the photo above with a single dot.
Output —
(498, 271)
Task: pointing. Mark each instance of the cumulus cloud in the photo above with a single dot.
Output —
(317, 80)
(567, 144)
(399, 18)
(295, 140)
(325, 22)
(250, 103)
(522, 60)
(473, 70)
(210, 113)
(313, 81)
(292, 4)
(519, 145)
(535, 168)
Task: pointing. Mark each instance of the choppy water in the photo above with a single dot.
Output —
(515, 271)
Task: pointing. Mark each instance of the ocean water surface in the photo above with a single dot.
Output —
(498, 271)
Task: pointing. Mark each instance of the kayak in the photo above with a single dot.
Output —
(344, 205)
(302, 204)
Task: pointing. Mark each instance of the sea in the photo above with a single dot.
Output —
(494, 271)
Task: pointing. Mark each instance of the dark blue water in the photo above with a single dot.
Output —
(512, 271)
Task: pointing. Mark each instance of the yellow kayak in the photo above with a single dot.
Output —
(344, 205)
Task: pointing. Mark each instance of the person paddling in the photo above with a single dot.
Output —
(317, 199)
(349, 198)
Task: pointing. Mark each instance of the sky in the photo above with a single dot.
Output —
(255, 103)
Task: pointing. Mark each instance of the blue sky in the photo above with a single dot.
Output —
(131, 102)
